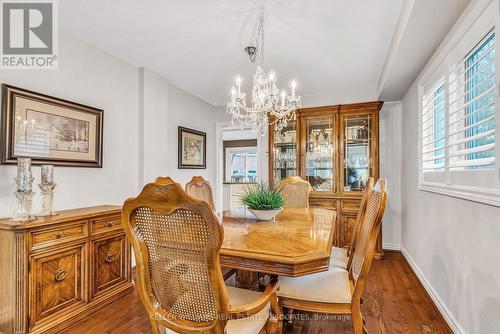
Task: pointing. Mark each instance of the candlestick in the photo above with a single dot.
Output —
(294, 84)
(47, 199)
(24, 202)
(233, 92)
(238, 82)
(47, 176)
(23, 165)
(24, 178)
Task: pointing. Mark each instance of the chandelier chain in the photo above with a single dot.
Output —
(259, 40)
(268, 105)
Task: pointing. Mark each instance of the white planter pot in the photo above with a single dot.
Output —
(265, 214)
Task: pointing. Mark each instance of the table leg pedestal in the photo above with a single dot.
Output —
(247, 279)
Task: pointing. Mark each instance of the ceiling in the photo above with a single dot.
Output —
(339, 51)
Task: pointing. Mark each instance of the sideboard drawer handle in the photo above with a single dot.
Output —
(110, 224)
(109, 258)
(60, 275)
(58, 235)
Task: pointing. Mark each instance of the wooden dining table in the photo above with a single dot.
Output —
(297, 242)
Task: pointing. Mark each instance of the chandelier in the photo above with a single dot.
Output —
(266, 99)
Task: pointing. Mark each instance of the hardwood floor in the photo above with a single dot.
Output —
(394, 302)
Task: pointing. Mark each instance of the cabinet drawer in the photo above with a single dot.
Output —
(109, 263)
(323, 203)
(106, 224)
(57, 283)
(350, 204)
(57, 235)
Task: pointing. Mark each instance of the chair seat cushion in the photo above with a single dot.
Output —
(331, 286)
(250, 325)
(339, 258)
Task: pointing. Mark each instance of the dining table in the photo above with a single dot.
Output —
(297, 242)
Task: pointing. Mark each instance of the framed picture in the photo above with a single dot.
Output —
(49, 130)
(192, 149)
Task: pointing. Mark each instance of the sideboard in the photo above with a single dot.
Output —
(57, 270)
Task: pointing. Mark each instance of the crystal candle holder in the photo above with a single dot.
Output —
(47, 174)
(24, 178)
(24, 203)
(47, 199)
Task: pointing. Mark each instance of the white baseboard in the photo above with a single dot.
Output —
(448, 317)
(390, 246)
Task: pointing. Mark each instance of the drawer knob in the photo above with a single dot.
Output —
(109, 258)
(60, 275)
(58, 235)
(110, 224)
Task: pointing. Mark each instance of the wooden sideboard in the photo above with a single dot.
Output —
(55, 271)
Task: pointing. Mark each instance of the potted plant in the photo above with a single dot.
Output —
(263, 202)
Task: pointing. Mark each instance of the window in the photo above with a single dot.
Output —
(241, 164)
(433, 123)
(458, 113)
(480, 106)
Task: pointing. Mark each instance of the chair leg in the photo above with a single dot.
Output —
(274, 325)
(154, 326)
(357, 323)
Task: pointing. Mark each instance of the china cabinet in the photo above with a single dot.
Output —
(335, 148)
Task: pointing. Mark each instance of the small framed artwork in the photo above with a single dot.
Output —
(192, 149)
(49, 130)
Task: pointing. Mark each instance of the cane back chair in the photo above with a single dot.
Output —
(295, 191)
(163, 180)
(342, 257)
(338, 291)
(200, 188)
(176, 241)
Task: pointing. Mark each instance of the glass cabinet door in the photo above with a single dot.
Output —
(358, 162)
(319, 168)
(285, 152)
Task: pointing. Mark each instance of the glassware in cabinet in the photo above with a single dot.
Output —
(285, 152)
(319, 146)
(358, 160)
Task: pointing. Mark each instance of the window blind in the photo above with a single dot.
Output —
(471, 114)
(433, 128)
(458, 114)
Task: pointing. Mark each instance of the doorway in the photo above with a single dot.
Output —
(241, 161)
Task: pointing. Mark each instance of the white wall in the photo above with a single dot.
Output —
(92, 77)
(390, 168)
(452, 244)
(153, 130)
(141, 114)
(186, 110)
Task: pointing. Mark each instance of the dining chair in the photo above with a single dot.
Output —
(295, 191)
(340, 257)
(176, 241)
(166, 180)
(338, 291)
(200, 188)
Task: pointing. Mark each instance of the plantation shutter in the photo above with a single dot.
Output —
(433, 128)
(471, 115)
